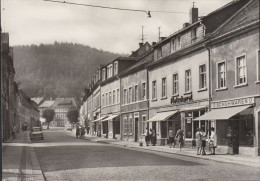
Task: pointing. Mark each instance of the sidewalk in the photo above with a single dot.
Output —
(19, 160)
(234, 159)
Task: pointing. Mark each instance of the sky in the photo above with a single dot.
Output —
(38, 21)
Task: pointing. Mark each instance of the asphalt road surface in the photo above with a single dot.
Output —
(63, 157)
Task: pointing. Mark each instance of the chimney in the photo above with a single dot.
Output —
(193, 14)
(185, 25)
(154, 43)
(141, 44)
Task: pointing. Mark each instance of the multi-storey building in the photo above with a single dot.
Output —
(45, 105)
(179, 76)
(234, 54)
(61, 106)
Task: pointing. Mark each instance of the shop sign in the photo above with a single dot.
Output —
(188, 120)
(136, 114)
(234, 102)
(176, 100)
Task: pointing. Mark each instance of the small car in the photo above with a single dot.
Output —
(69, 127)
(36, 133)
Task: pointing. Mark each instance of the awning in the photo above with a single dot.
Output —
(162, 116)
(222, 113)
(99, 119)
(109, 118)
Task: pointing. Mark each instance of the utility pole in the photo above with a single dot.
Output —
(142, 34)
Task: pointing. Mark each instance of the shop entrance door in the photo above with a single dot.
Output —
(136, 129)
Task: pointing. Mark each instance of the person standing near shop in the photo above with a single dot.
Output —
(179, 136)
(147, 137)
(198, 141)
(212, 141)
(203, 142)
(153, 137)
(171, 138)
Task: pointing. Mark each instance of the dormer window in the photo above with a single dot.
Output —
(110, 71)
(178, 42)
(173, 45)
(159, 52)
(193, 35)
(115, 68)
(103, 74)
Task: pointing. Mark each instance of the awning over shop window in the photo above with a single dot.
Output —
(109, 118)
(162, 116)
(222, 113)
(99, 119)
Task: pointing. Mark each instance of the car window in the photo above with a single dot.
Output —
(36, 129)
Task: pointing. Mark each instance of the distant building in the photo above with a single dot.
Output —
(45, 105)
(61, 106)
(38, 100)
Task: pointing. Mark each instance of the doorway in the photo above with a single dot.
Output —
(136, 129)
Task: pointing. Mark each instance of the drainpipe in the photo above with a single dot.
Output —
(209, 75)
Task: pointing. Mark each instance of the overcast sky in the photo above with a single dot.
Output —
(38, 21)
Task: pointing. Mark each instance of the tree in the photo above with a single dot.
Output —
(48, 114)
(72, 115)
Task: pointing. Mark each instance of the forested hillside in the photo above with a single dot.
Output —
(57, 70)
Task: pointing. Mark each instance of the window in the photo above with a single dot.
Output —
(221, 75)
(130, 124)
(241, 71)
(173, 45)
(107, 102)
(159, 52)
(193, 35)
(143, 90)
(103, 74)
(61, 116)
(258, 65)
(202, 78)
(115, 68)
(126, 125)
(164, 87)
(188, 80)
(110, 71)
(178, 42)
(136, 93)
(114, 96)
(118, 96)
(130, 95)
(125, 96)
(144, 124)
(175, 84)
(110, 98)
(57, 116)
(154, 92)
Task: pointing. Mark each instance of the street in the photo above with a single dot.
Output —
(63, 157)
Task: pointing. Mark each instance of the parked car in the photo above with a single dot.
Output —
(36, 133)
(69, 127)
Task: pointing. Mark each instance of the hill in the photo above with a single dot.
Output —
(57, 70)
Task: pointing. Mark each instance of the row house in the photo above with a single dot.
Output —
(234, 56)
(179, 76)
(205, 75)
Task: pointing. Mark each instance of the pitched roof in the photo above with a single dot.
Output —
(37, 100)
(247, 15)
(64, 102)
(47, 103)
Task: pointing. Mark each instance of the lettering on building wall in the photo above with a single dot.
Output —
(175, 99)
(234, 102)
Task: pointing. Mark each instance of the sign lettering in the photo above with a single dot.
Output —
(234, 102)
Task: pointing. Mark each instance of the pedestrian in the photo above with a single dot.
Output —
(147, 137)
(179, 136)
(82, 132)
(203, 142)
(25, 127)
(198, 141)
(171, 138)
(88, 130)
(14, 131)
(77, 131)
(150, 135)
(153, 137)
(212, 141)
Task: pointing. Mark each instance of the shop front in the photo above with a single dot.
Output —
(96, 126)
(235, 125)
(111, 127)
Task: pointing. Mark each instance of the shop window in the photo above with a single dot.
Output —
(164, 87)
(130, 124)
(175, 84)
(241, 70)
(144, 125)
(221, 75)
(188, 80)
(202, 77)
(118, 96)
(126, 126)
(154, 92)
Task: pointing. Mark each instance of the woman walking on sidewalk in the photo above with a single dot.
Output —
(179, 136)
(198, 141)
(212, 141)
(171, 138)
